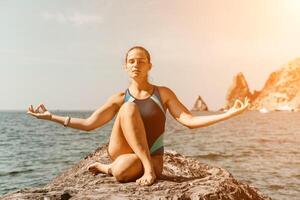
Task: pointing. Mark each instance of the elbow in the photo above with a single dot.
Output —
(192, 127)
(189, 126)
(87, 129)
(91, 124)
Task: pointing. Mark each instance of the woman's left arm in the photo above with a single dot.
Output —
(185, 117)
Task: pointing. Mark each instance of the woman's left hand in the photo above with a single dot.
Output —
(239, 106)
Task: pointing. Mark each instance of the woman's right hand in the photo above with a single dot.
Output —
(239, 106)
(39, 112)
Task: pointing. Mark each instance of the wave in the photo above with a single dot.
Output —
(14, 173)
(276, 187)
(213, 156)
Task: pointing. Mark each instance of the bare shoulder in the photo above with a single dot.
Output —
(165, 93)
(117, 99)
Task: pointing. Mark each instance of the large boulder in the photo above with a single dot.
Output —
(282, 89)
(183, 178)
(199, 105)
(238, 90)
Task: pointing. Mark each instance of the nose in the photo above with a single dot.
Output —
(135, 64)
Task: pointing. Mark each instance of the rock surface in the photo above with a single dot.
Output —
(183, 178)
(199, 105)
(282, 89)
(238, 90)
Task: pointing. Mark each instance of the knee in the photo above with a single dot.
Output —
(120, 175)
(128, 108)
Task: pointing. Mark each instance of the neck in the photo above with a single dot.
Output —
(140, 85)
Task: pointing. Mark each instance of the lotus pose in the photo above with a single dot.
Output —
(136, 142)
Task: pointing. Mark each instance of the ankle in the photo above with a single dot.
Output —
(149, 170)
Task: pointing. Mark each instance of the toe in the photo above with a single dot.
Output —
(147, 182)
(138, 181)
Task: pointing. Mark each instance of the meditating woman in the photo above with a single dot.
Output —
(136, 142)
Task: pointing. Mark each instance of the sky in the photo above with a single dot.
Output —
(69, 54)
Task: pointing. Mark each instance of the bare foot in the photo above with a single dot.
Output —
(147, 179)
(97, 168)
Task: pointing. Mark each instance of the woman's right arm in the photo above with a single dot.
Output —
(98, 118)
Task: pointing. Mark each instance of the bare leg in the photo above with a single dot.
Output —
(97, 168)
(134, 132)
(126, 167)
(129, 149)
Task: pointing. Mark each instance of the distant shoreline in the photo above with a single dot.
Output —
(56, 110)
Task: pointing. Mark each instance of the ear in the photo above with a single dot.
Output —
(150, 66)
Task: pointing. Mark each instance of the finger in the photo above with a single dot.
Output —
(237, 103)
(33, 114)
(43, 108)
(245, 106)
(241, 103)
(37, 108)
(247, 101)
(31, 108)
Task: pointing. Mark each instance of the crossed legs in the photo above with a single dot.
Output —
(129, 150)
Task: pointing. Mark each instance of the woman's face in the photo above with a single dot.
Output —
(137, 64)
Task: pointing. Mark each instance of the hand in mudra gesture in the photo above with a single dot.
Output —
(239, 106)
(39, 112)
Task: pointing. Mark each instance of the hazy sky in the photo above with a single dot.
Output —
(69, 54)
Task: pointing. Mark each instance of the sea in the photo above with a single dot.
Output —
(262, 150)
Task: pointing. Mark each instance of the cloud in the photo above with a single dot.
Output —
(76, 18)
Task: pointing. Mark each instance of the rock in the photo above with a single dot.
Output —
(238, 90)
(199, 105)
(282, 89)
(183, 178)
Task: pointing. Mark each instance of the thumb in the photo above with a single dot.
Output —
(32, 114)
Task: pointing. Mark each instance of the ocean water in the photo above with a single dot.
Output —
(262, 150)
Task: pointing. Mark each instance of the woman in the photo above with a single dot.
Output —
(135, 145)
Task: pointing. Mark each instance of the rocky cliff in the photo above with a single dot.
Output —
(238, 90)
(282, 89)
(199, 105)
(183, 178)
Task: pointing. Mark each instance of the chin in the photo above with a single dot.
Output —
(134, 76)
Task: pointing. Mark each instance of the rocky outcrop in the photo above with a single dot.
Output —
(183, 178)
(199, 105)
(281, 92)
(238, 90)
(282, 89)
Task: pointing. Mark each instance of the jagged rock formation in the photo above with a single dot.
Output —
(238, 90)
(183, 178)
(282, 89)
(199, 105)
